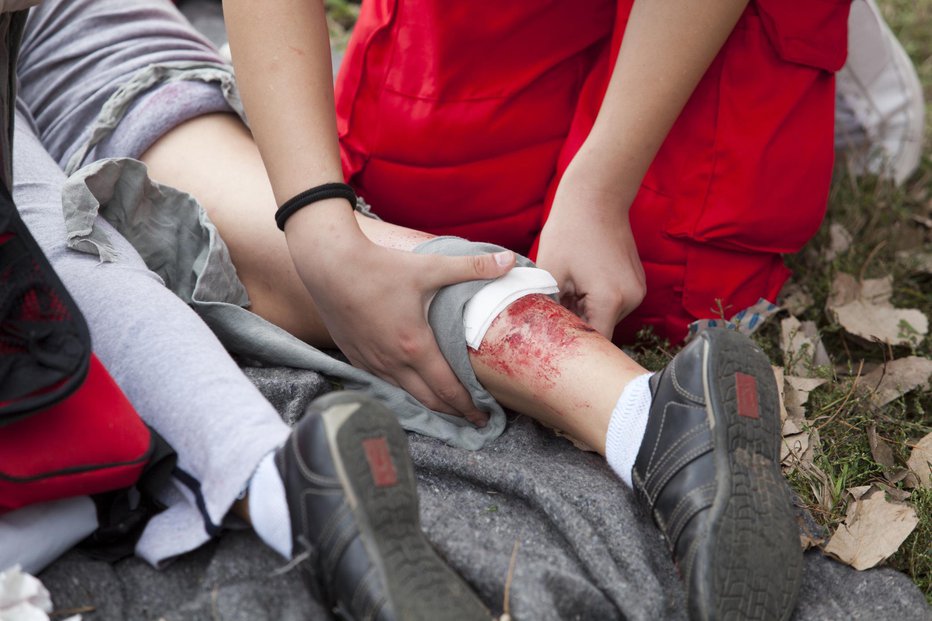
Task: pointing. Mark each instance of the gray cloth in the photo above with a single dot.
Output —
(177, 241)
(76, 55)
(586, 550)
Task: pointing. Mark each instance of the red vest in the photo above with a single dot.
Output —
(459, 119)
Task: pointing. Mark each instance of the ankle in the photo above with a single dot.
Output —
(627, 426)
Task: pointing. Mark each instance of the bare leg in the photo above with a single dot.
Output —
(214, 158)
(537, 357)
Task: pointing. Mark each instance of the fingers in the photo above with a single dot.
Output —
(424, 373)
(451, 270)
(436, 386)
(603, 325)
(604, 315)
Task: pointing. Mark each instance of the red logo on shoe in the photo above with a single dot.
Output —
(380, 462)
(746, 388)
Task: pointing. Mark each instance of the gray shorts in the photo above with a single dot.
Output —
(107, 78)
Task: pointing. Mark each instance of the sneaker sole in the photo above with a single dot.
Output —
(371, 456)
(755, 562)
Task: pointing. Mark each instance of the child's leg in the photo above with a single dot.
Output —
(172, 368)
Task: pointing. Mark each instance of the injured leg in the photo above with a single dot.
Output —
(698, 441)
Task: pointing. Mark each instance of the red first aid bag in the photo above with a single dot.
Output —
(66, 428)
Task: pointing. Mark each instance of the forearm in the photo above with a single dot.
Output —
(667, 47)
(281, 53)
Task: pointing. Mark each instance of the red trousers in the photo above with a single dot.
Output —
(459, 118)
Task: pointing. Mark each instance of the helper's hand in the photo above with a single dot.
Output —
(374, 300)
(587, 245)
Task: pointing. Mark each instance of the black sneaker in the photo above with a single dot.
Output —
(709, 469)
(354, 513)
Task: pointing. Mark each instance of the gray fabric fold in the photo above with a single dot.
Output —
(158, 74)
(178, 242)
(445, 316)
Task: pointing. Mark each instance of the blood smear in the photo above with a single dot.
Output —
(539, 335)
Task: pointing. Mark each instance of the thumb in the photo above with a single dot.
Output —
(452, 270)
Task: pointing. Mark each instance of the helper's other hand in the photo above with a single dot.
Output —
(374, 301)
(588, 246)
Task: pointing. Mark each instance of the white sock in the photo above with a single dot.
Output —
(268, 507)
(626, 427)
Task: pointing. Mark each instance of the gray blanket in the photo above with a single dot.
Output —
(585, 549)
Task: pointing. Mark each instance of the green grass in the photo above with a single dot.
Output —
(881, 219)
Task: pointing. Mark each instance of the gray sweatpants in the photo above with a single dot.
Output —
(170, 365)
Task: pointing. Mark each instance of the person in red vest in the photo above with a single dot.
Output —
(656, 159)
(664, 153)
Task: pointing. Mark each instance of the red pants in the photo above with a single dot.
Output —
(459, 119)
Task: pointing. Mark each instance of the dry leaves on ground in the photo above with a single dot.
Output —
(864, 310)
(920, 461)
(839, 241)
(922, 261)
(897, 377)
(795, 299)
(873, 528)
(799, 440)
(802, 348)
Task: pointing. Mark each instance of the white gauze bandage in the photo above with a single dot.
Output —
(488, 303)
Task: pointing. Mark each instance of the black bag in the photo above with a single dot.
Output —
(45, 346)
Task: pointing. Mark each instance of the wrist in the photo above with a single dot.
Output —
(316, 194)
(593, 191)
(605, 170)
(324, 230)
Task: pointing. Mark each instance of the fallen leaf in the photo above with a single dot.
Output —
(778, 375)
(802, 348)
(885, 324)
(798, 450)
(897, 494)
(877, 290)
(807, 541)
(857, 492)
(864, 310)
(795, 299)
(820, 357)
(839, 241)
(899, 475)
(880, 450)
(793, 450)
(791, 427)
(920, 460)
(918, 261)
(897, 377)
(796, 394)
(845, 289)
(872, 531)
(911, 480)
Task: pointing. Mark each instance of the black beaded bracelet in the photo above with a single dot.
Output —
(318, 193)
